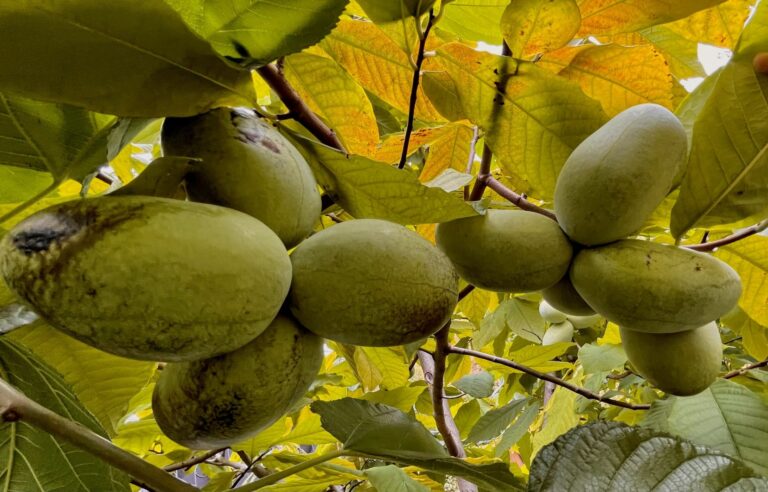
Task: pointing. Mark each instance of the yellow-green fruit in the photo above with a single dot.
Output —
(249, 166)
(558, 333)
(550, 314)
(617, 176)
(223, 400)
(579, 322)
(506, 250)
(373, 283)
(563, 296)
(149, 278)
(653, 287)
(680, 364)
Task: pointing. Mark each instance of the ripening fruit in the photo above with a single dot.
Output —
(149, 278)
(655, 288)
(760, 62)
(506, 250)
(617, 176)
(579, 322)
(550, 314)
(558, 333)
(373, 283)
(680, 364)
(249, 166)
(563, 296)
(224, 400)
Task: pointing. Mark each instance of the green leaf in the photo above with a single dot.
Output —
(474, 20)
(516, 431)
(534, 125)
(104, 383)
(561, 416)
(541, 357)
(681, 53)
(726, 416)
(478, 385)
(393, 479)
(727, 176)
(370, 189)
(524, 320)
(119, 57)
(749, 257)
(379, 11)
(402, 398)
(31, 459)
(537, 26)
(493, 423)
(614, 456)
(260, 31)
(599, 358)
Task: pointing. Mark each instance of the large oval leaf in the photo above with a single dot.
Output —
(749, 257)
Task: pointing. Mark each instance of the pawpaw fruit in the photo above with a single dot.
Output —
(373, 283)
(550, 314)
(558, 333)
(681, 364)
(655, 288)
(580, 322)
(506, 250)
(614, 179)
(563, 297)
(249, 166)
(149, 278)
(226, 399)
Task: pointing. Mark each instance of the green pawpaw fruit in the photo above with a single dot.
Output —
(224, 400)
(682, 364)
(249, 166)
(373, 283)
(579, 322)
(149, 278)
(616, 177)
(550, 314)
(506, 250)
(655, 288)
(563, 296)
(558, 333)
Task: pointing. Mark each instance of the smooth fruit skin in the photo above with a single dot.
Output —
(249, 166)
(563, 297)
(224, 400)
(372, 283)
(655, 288)
(550, 314)
(506, 250)
(681, 364)
(617, 176)
(580, 322)
(558, 333)
(149, 278)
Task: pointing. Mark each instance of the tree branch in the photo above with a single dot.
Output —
(298, 108)
(415, 87)
(517, 199)
(15, 406)
(277, 476)
(749, 231)
(194, 460)
(466, 291)
(549, 377)
(746, 369)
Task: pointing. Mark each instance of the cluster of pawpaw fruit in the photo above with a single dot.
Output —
(207, 284)
(664, 298)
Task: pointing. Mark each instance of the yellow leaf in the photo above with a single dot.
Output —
(403, 398)
(749, 257)
(336, 97)
(390, 363)
(620, 76)
(378, 64)
(307, 430)
(618, 16)
(718, 26)
(475, 305)
(369, 375)
(540, 356)
(537, 26)
(561, 416)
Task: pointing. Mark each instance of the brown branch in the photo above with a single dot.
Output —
(298, 108)
(194, 460)
(483, 174)
(466, 291)
(746, 369)
(471, 158)
(712, 245)
(517, 199)
(415, 87)
(15, 406)
(620, 376)
(548, 377)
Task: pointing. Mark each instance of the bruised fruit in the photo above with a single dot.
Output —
(617, 176)
(149, 278)
(223, 400)
(249, 166)
(506, 250)
(680, 364)
(558, 333)
(373, 283)
(550, 314)
(563, 297)
(653, 287)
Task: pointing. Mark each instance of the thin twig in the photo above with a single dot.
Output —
(466, 291)
(471, 158)
(517, 199)
(712, 245)
(277, 476)
(15, 406)
(746, 369)
(620, 376)
(415, 87)
(298, 108)
(548, 377)
(194, 460)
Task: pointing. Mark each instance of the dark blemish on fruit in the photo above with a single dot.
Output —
(49, 230)
(270, 145)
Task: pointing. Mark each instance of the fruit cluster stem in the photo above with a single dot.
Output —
(712, 245)
(15, 406)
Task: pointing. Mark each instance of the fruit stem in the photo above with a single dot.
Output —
(712, 245)
(548, 377)
(517, 199)
(277, 476)
(746, 369)
(15, 406)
